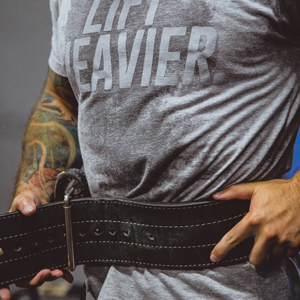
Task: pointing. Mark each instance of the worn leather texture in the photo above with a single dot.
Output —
(179, 236)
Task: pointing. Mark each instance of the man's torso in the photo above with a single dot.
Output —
(177, 100)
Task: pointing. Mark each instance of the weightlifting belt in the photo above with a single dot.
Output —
(117, 231)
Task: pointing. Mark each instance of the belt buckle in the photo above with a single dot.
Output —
(69, 233)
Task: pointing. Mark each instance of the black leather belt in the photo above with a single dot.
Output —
(179, 236)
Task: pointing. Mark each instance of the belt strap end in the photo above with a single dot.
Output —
(69, 233)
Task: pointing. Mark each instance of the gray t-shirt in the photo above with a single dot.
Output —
(177, 100)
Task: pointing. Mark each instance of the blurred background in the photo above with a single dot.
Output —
(25, 34)
(25, 38)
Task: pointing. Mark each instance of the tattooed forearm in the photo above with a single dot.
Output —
(50, 142)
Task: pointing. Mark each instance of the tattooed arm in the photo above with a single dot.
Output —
(50, 143)
(50, 146)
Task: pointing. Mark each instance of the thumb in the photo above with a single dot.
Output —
(25, 202)
(242, 191)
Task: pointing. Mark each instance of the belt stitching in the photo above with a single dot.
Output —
(125, 261)
(19, 215)
(26, 233)
(161, 226)
(160, 265)
(34, 254)
(114, 202)
(119, 203)
(124, 222)
(190, 206)
(145, 245)
(110, 242)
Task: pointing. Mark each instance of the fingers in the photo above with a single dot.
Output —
(5, 293)
(266, 247)
(242, 191)
(260, 253)
(231, 239)
(39, 279)
(64, 274)
(46, 275)
(273, 219)
(26, 203)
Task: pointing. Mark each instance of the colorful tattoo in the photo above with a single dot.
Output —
(50, 142)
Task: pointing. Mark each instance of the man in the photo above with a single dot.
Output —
(177, 101)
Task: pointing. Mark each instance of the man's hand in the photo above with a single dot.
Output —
(26, 203)
(50, 146)
(273, 219)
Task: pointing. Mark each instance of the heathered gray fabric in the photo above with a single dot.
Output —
(177, 100)
(233, 282)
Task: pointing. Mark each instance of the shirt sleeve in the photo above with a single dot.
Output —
(56, 61)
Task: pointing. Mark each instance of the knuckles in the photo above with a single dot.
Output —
(280, 237)
(21, 200)
(256, 219)
(270, 233)
(233, 190)
(17, 203)
(231, 239)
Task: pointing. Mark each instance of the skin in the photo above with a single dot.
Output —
(273, 219)
(50, 146)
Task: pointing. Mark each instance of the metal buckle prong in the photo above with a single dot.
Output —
(69, 233)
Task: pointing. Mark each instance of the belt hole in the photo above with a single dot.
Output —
(18, 249)
(50, 239)
(126, 232)
(151, 237)
(98, 231)
(34, 244)
(112, 232)
(1, 251)
(83, 234)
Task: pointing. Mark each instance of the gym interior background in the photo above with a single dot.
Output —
(25, 39)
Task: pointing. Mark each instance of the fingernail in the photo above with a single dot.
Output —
(28, 208)
(213, 258)
(219, 194)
